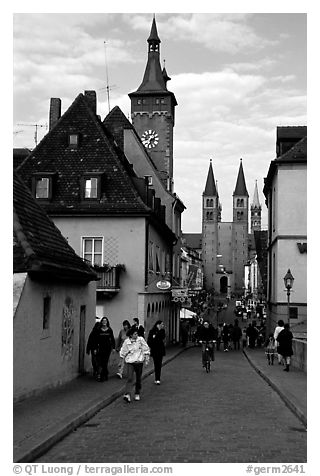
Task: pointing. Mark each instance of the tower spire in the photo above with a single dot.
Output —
(255, 201)
(241, 188)
(210, 188)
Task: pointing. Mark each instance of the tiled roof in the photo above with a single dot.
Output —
(19, 154)
(38, 246)
(97, 153)
(296, 153)
(116, 121)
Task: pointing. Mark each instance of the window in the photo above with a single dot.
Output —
(293, 311)
(46, 312)
(139, 101)
(42, 187)
(91, 184)
(151, 265)
(158, 267)
(149, 179)
(73, 140)
(91, 188)
(92, 250)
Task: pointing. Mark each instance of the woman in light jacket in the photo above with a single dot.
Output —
(135, 352)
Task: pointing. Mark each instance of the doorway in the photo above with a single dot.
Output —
(82, 329)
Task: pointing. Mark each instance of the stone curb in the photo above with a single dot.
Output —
(289, 403)
(71, 422)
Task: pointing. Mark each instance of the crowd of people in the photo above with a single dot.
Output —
(134, 351)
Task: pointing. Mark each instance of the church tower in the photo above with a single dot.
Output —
(240, 230)
(211, 213)
(255, 211)
(152, 111)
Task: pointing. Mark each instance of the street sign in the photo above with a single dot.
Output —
(163, 285)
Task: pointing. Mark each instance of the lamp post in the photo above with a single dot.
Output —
(288, 282)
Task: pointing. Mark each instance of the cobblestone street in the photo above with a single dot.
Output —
(230, 415)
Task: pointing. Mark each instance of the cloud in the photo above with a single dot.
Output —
(222, 32)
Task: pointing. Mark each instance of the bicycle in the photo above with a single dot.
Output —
(207, 353)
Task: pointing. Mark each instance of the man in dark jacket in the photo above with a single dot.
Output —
(156, 338)
(236, 334)
(284, 340)
(207, 334)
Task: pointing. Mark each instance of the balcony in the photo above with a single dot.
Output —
(108, 279)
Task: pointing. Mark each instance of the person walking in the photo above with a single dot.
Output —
(135, 351)
(236, 334)
(270, 346)
(92, 347)
(138, 326)
(277, 331)
(225, 337)
(219, 335)
(284, 339)
(106, 342)
(155, 341)
(120, 340)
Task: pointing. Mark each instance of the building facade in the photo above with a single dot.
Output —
(225, 244)
(54, 295)
(286, 198)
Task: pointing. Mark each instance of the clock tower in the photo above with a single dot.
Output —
(152, 111)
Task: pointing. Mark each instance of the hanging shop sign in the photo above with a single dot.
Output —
(163, 285)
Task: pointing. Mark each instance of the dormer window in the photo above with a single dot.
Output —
(73, 140)
(42, 186)
(91, 186)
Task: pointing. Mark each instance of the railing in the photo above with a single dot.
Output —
(109, 280)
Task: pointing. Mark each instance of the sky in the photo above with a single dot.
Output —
(236, 77)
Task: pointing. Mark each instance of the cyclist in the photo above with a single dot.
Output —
(206, 334)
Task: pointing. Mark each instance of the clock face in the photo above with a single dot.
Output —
(150, 139)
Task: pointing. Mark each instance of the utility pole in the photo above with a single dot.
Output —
(36, 130)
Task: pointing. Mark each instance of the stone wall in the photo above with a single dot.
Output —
(299, 358)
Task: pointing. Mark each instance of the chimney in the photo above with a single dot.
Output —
(91, 98)
(55, 112)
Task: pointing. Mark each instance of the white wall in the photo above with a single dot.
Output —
(39, 359)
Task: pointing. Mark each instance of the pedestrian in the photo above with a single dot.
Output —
(135, 351)
(219, 335)
(270, 346)
(285, 345)
(106, 343)
(252, 334)
(156, 338)
(277, 331)
(236, 334)
(92, 347)
(138, 326)
(184, 332)
(120, 340)
(225, 337)
(244, 338)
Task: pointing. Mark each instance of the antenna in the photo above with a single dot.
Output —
(108, 88)
(36, 131)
